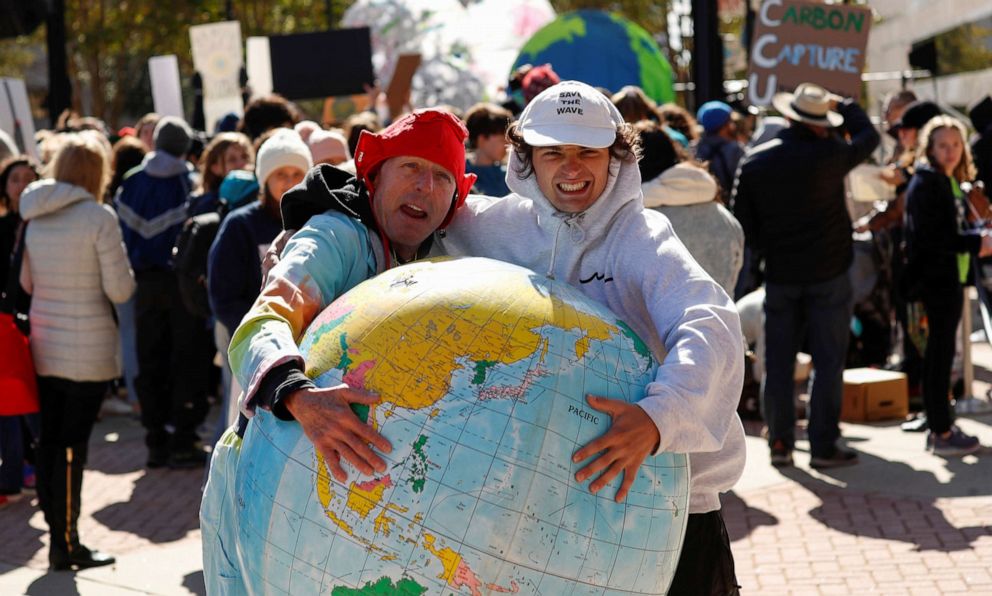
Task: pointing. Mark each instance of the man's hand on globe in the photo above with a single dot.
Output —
(631, 438)
(335, 431)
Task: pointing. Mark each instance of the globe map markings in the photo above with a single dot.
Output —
(482, 368)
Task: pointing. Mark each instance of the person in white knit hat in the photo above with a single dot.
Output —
(234, 274)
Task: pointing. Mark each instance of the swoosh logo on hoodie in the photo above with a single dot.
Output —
(596, 277)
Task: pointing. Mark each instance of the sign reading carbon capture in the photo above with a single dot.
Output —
(807, 42)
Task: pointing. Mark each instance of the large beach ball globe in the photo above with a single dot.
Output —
(482, 368)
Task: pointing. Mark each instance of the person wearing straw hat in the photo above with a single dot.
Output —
(789, 198)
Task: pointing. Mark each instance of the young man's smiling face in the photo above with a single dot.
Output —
(412, 197)
(571, 176)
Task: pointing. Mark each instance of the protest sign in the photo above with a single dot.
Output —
(259, 66)
(807, 42)
(217, 57)
(398, 92)
(322, 64)
(15, 115)
(167, 93)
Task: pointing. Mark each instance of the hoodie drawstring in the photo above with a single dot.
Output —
(573, 221)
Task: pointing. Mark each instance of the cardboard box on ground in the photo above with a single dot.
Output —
(871, 395)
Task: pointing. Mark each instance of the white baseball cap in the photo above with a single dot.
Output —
(570, 113)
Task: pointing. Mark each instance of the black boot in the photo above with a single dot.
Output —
(46, 462)
(66, 552)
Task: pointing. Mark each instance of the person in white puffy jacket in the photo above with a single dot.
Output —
(74, 266)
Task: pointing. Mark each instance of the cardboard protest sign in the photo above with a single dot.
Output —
(217, 57)
(398, 92)
(322, 64)
(807, 42)
(15, 115)
(167, 93)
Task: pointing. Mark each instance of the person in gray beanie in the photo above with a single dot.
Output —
(173, 136)
(173, 344)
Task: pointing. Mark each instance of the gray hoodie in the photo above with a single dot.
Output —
(629, 258)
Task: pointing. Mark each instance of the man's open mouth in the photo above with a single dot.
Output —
(413, 211)
(573, 187)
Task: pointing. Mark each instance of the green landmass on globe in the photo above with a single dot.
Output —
(482, 369)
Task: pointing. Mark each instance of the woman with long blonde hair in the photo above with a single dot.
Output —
(74, 266)
(939, 247)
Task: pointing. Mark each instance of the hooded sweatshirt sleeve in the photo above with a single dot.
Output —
(695, 392)
(325, 259)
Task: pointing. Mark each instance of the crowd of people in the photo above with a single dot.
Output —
(139, 259)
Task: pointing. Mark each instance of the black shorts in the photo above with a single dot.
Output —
(706, 565)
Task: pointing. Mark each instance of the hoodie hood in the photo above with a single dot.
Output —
(623, 186)
(159, 164)
(682, 184)
(326, 187)
(47, 196)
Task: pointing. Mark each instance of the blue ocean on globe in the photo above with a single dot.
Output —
(482, 369)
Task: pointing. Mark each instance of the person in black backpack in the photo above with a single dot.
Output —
(234, 272)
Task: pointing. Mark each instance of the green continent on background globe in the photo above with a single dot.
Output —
(566, 29)
(383, 587)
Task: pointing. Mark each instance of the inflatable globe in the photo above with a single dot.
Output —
(602, 50)
(482, 368)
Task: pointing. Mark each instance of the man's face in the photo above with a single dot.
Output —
(570, 176)
(412, 197)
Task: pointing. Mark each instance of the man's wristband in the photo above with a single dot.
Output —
(281, 382)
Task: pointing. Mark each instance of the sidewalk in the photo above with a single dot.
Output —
(901, 522)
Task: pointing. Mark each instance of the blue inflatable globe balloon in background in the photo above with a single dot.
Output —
(482, 369)
(602, 50)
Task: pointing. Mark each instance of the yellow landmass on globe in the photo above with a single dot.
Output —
(449, 558)
(383, 522)
(364, 496)
(415, 340)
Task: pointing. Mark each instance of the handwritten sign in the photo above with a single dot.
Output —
(217, 56)
(807, 42)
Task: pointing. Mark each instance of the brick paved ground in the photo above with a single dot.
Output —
(901, 522)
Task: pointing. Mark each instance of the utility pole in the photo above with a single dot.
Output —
(707, 53)
(59, 90)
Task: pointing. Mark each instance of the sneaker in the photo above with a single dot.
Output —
(916, 425)
(781, 455)
(957, 443)
(841, 456)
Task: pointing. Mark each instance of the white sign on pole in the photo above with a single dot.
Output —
(259, 66)
(167, 91)
(15, 114)
(216, 49)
